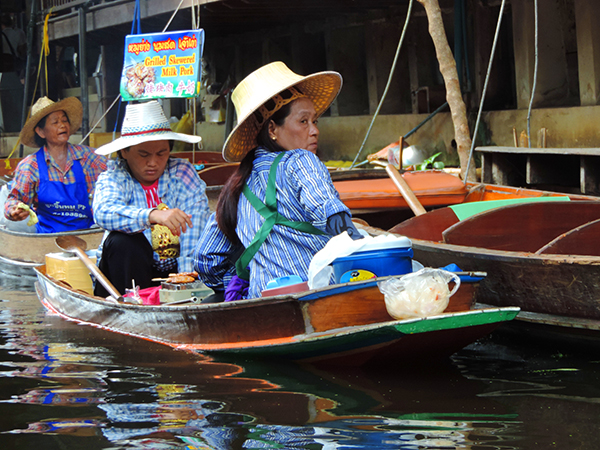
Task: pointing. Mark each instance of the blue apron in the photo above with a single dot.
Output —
(62, 207)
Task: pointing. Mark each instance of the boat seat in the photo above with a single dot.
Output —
(523, 227)
(582, 240)
(429, 226)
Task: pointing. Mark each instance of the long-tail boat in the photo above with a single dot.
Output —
(345, 324)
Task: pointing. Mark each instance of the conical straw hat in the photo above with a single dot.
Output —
(264, 84)
(44, 106)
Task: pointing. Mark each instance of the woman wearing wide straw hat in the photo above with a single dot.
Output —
(58, 180)
(154, 207)
(280, 175)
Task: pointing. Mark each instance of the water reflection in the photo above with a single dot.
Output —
(86, 386)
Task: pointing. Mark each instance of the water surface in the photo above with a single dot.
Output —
(64, 385)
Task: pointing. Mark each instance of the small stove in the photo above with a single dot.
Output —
(174, 292)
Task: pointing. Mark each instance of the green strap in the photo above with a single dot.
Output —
(268, 210)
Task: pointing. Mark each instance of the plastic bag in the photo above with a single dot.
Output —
(20, 226)
(419, 294)
(185, 126)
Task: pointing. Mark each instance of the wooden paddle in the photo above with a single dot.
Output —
(73, 244)
(405, 190)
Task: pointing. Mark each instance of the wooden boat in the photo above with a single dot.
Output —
(378, 202)
(543, 256)
(21, 252)
(345, 324)
(368, 191)
(214, 177)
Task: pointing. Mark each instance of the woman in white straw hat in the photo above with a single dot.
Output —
(58, 180)
(280, 207)
(153, 207)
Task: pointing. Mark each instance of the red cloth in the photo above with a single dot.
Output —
(149, 296)
(152, 198)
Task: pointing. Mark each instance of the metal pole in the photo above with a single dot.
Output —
(30, 33)
(83, 79)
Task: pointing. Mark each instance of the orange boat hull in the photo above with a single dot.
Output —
(432, 188)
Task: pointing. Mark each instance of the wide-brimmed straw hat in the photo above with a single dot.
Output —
(144, 122)
(265, 84)
(44, 106)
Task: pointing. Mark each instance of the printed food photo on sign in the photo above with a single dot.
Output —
(162, 65)
(138, 77)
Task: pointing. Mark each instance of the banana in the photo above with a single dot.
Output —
(33, 218)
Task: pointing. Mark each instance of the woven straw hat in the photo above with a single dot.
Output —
(265, 84)
(44, 106)
(144, 122)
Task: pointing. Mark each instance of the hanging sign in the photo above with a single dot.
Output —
(162, 65)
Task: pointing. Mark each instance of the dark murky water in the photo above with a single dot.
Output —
(65, 386)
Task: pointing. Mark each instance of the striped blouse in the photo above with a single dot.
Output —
(305, 193)
(120, 204)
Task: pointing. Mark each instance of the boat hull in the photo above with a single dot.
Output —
(341, 325)
(563, 285)
(541, 255)
(21, 252)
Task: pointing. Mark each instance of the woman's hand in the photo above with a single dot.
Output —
(174, 219)
(18, 214)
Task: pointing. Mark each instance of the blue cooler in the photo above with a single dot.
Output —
(378, 259)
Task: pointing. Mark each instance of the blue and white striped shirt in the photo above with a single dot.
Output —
(120, 204)
(305, 193)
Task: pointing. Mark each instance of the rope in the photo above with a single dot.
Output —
(535, 72)
(195, 26)
(487, 78)
(173, 16)
(387, 86)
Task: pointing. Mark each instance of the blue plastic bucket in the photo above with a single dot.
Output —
(373, 263)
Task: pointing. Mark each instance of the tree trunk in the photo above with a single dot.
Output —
(458, 109)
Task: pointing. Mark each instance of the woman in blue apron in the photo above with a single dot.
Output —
(58, 180)
(280, 207)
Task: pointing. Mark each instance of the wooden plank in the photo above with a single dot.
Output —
(486, 168)
(582, 240)
(589, 175)
(542, 151)
(522, 227)
(428, 226)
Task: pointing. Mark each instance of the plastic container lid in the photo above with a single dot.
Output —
(285, 285)
(386, 241)
(283, 281)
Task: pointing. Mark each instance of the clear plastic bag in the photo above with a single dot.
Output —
(418, 294)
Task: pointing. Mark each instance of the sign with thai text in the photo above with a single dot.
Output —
(162, 65)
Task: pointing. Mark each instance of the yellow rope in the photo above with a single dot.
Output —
(43, 56)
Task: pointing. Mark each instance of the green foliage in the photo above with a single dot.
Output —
(427, 162)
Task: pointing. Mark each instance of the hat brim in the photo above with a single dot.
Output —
(72, 108)
(321, 87)
(128, 141)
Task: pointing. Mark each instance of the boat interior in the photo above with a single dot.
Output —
(556, 227)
